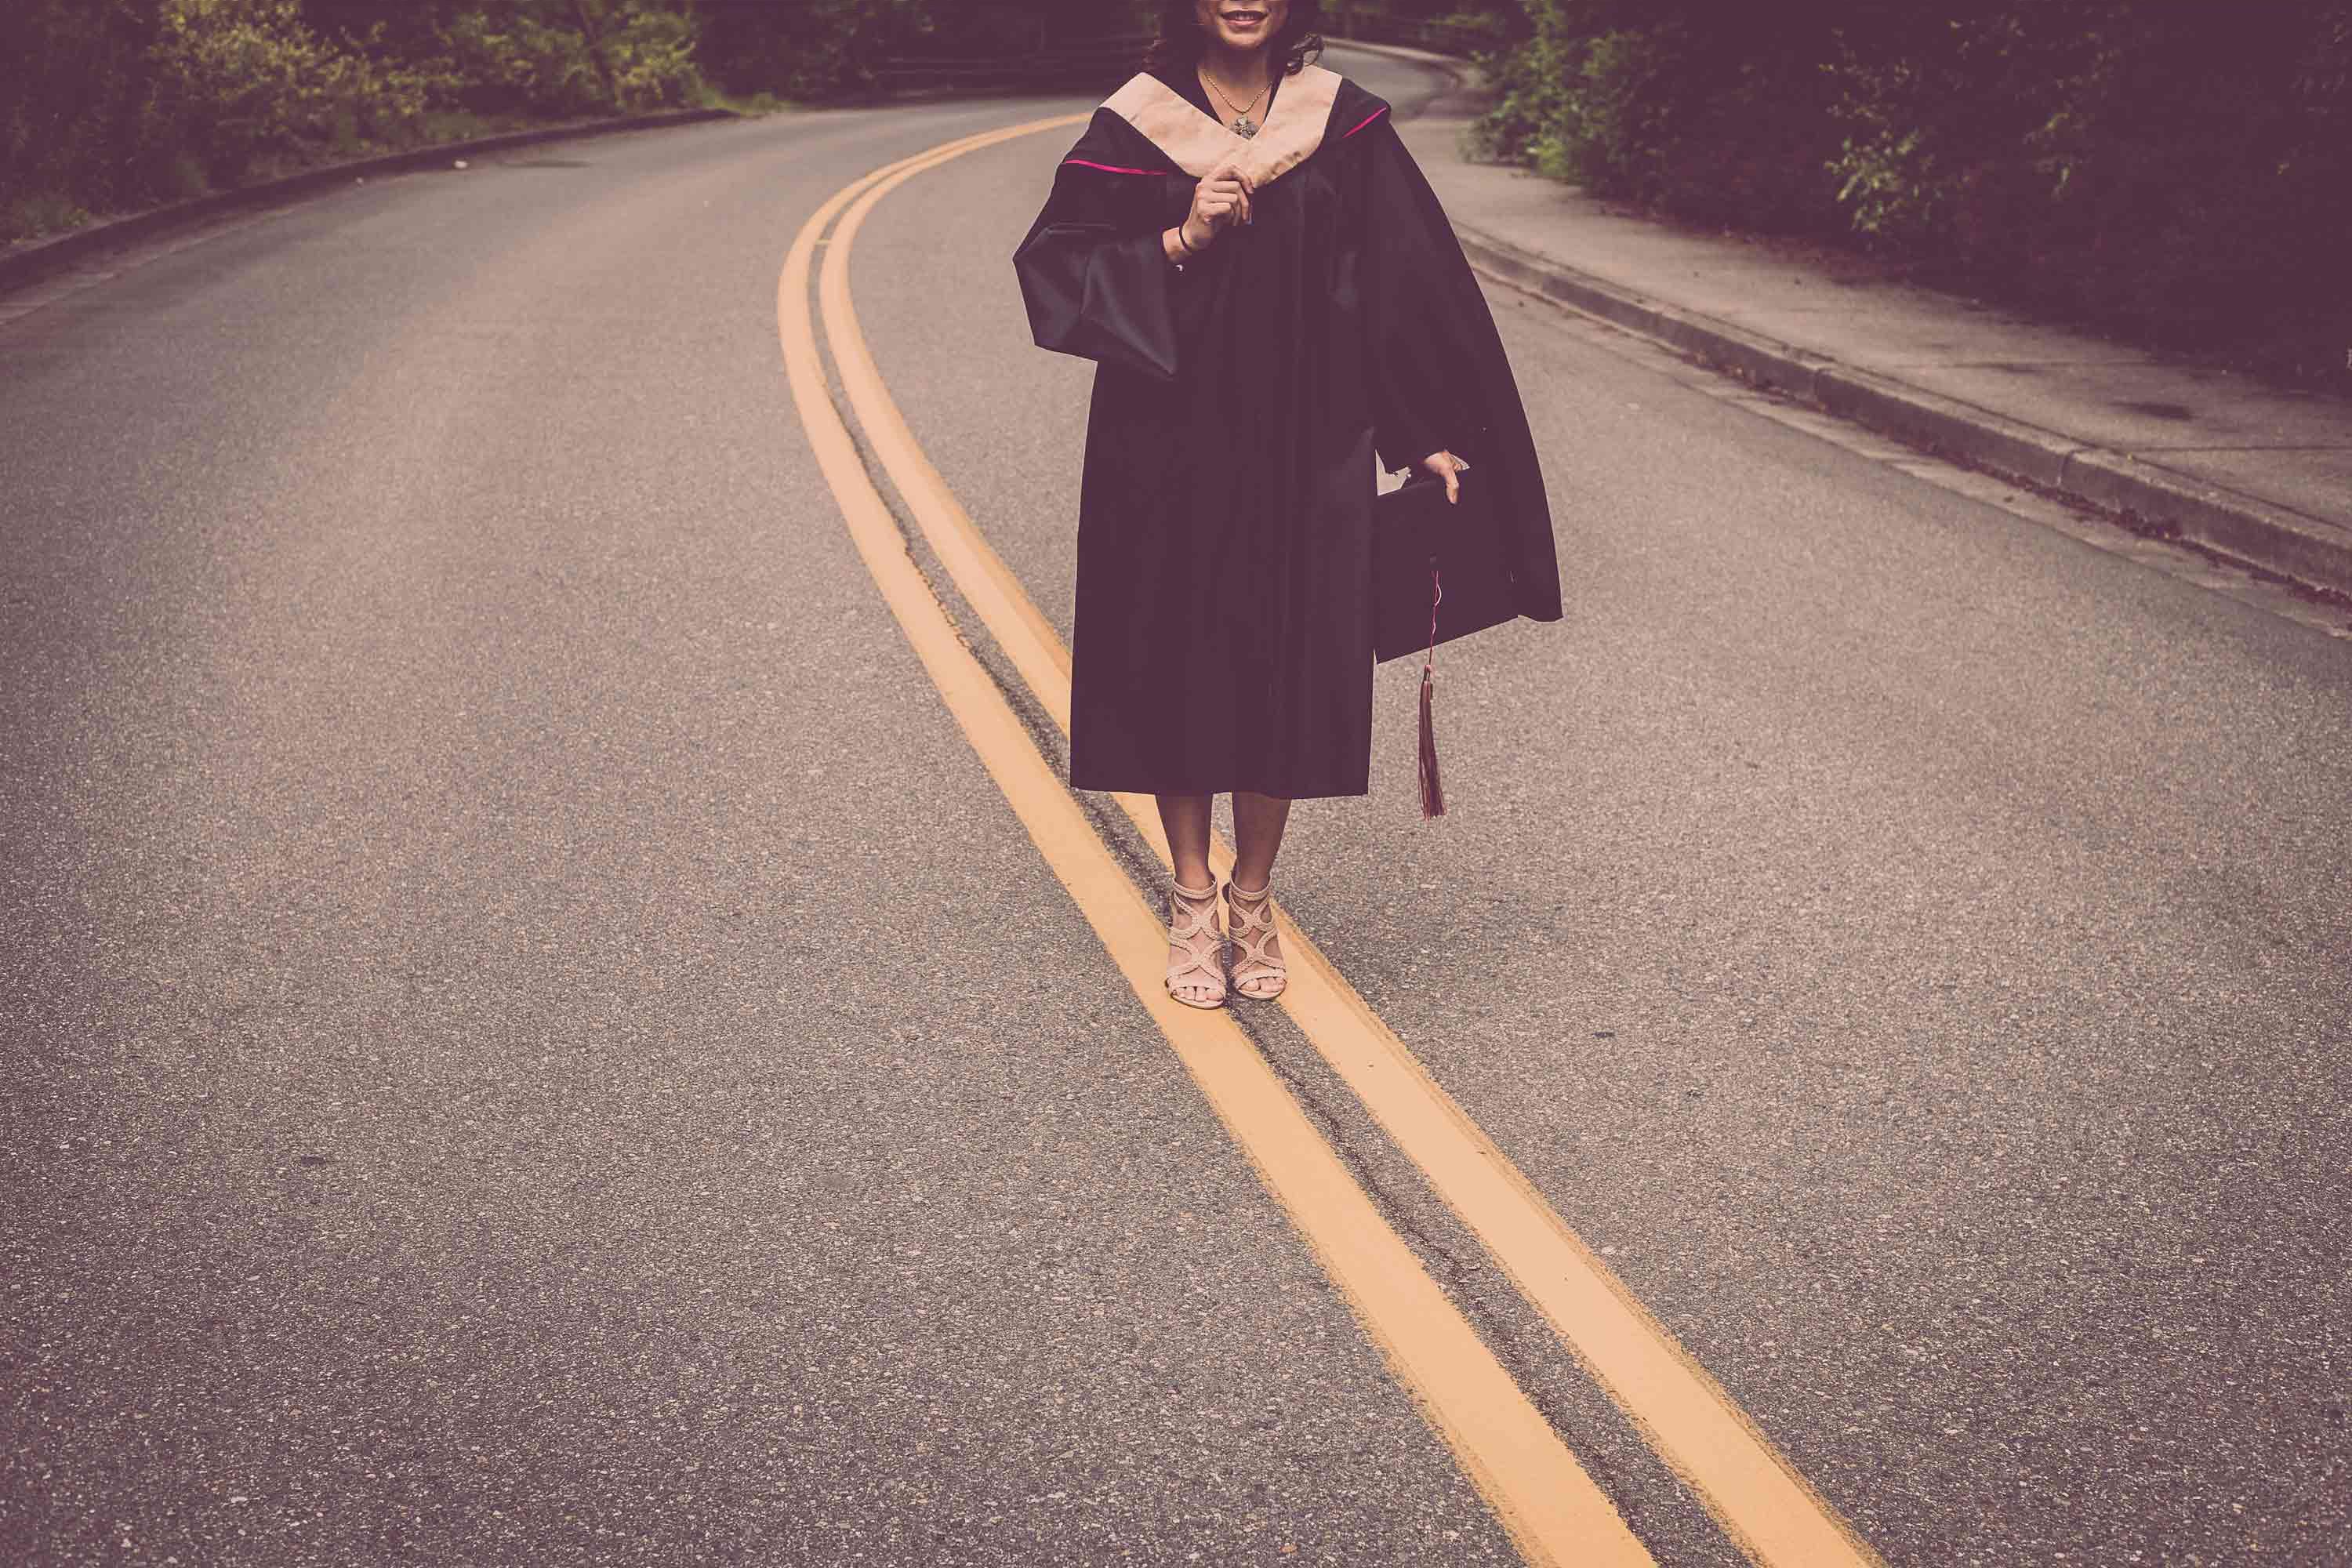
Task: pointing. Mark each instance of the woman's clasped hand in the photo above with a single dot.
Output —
(1220, 201)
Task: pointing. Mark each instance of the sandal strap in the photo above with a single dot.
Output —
(1192, 932)
(1251, 927)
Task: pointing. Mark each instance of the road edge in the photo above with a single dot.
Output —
(2269, 540)
(29, 263)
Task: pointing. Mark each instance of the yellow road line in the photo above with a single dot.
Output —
(1754, 1494)
(1553, 1511)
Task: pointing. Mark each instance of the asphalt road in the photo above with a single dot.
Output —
(530, 1036)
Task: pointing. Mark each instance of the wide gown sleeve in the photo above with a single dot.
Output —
(1093, 274)
(1442, 380)
(1412, 414)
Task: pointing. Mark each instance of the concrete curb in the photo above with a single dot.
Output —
(24, 264)
(2252, 532)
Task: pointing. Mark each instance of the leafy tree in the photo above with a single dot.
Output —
(72, 76)
(2180, 173)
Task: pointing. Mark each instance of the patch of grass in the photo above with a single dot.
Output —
(30, 218)
(744, 103)
(184, 176)
(439, 125)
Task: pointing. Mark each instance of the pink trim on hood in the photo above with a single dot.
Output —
(1107, 168)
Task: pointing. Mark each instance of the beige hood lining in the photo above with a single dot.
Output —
(1292, 128)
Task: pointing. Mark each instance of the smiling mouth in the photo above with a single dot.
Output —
(1244, 18)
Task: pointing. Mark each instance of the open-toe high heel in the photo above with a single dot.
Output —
(1259, 973)
(1196, 949)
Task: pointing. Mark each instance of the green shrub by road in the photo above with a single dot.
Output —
(2179, 175)
(107, 105)
(111, 105)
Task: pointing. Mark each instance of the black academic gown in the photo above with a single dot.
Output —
(1222, 633)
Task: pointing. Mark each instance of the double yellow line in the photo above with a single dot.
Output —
(1553, 1511)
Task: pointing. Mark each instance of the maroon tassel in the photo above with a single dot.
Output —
(1432, 792)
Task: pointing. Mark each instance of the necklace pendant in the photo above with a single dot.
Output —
(1245, 127)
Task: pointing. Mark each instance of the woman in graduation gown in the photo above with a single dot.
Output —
(1272, 295)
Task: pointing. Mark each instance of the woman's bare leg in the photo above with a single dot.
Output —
(1259, 822)
(1185, 819)
(1196, 964)
(1258, 971)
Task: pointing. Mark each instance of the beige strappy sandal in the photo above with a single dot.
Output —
(1196, 963)
(1259, 973)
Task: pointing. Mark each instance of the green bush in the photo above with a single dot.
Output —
(1939, 124)
(1531, 81)
(73, 73)
(516, 59)
(517, 63)
(807, 49)
(108, 104)
(652, 54)
(240, 80)
(1667, 115)
(2180, 174)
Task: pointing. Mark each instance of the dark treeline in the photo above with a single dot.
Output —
(112, 104)
(2180, 174)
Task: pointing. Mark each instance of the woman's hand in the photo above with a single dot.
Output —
(1445, 466)
(1221, 200)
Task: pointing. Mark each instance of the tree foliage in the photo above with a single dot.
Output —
(112, 103)
(2180, 174)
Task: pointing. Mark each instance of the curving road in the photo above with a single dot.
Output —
(531, 1037)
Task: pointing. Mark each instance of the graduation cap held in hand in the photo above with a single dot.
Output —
(1438, 574)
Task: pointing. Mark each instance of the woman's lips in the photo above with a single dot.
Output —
(1244, 21)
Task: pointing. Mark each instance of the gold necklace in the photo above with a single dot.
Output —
(1243, 126)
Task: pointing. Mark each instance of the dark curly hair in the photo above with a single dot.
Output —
(1179, 41)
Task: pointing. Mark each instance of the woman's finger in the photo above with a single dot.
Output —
(1445, 466)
